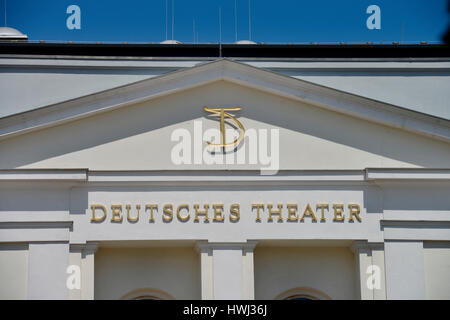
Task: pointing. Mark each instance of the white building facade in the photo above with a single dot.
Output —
(110, 189)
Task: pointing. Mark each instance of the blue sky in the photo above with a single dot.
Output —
(282, 21)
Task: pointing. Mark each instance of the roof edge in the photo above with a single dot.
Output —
(228, 50)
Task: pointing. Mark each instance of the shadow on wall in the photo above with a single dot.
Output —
(329, 270)
(28, 197)
(174, 271)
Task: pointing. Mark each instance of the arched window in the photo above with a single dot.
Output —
(300, 297)
(147, 294)
(302, 293)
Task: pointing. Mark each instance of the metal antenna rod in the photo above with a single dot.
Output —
(220, 32)
(167, 16)
(5, 13)
(173, 16)
(235, 21)
(193, 28)
(249, 22)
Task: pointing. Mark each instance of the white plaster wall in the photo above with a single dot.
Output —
(422, 92)
(13, 271)
(24, 89)
(310, 137)
(23, 204)
(404, 270)
(228, 274)
(437, 270)
(47, 277)
(424, 201)
(119, 271)
(19, 199)
(329, 270)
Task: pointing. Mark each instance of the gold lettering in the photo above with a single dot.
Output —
(308, 212)
(179, 216)
(129, 218)
(235, 213)
(94, 217)
(275, 212)
(116, 213)
(258, 206)
(292, 212)
(151, 207)
(354, 211)
(218, 212)
(322, 207)
(167, 213)
(221, 112)
(338, 212)
(198, 212)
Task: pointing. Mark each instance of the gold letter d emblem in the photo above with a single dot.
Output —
(222, 112)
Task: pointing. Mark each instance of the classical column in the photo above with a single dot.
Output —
(405, 269)
(82, 257)
(47, 264)
(370, 270)
(379, 291)
(88, 270)
(206, 267)
(227, 270)
(74, 271)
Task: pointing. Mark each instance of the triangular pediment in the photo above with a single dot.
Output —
(141, 135)
(239, 73)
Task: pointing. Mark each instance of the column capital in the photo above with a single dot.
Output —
(376, 245)
(364, 246)
(359, 246)
(90, 247)
(206, 246)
